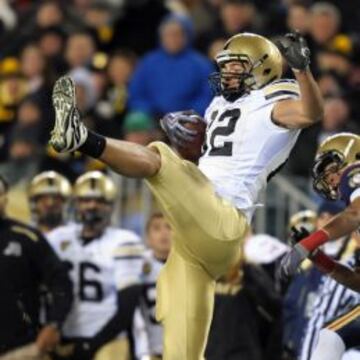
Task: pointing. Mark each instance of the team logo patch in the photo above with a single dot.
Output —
(146, 268)
(13, 249)
(64, 245)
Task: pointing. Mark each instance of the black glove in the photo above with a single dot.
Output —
(297, 235)
(174, 125)
(295, 50)
(289, 263)
(83, 351)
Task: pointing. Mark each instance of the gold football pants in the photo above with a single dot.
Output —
(207, 235)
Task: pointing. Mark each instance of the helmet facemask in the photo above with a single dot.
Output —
(330, 162)
(94, 213)
(243, 81)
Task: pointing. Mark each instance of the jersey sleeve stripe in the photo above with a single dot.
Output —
(284, 81)
(128, 257)
(130, 243)
(282, 94)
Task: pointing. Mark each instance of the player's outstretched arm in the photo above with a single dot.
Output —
(309, 109)
(342, 274)
(343, 224)
(346, 222)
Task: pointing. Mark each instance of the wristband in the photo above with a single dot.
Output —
(323, 262)
(315, 240)
(94, 145)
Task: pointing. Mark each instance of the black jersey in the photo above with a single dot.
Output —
(26, 263)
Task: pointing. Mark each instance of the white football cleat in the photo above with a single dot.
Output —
(69, 132)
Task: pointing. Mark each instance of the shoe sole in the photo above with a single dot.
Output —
(64, 102)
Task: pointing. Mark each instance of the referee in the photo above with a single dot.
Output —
(26, 263)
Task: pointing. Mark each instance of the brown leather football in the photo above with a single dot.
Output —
(192, 150)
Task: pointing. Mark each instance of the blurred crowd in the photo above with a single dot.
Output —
(135, 60)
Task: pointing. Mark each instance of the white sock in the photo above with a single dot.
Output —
(329, 347)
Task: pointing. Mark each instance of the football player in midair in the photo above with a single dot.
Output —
(336, 175)
(49, 194)
(106, 267)
(252, 125)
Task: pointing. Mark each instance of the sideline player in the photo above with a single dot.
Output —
(158, 239)
(27, 262)
(252, 125)
(106, 265)
(49, 194)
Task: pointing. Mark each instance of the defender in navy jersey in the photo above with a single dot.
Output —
(336, 174)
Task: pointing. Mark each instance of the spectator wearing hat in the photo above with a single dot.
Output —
(13, 88)
(139, 128)
(174, 77)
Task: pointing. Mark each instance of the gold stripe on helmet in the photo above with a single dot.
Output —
(49, 183)
(95, 184)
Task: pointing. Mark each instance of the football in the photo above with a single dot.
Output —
(192, 150)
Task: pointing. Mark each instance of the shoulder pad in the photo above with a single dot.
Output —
(26, 231)
(121, 236)
(350, 181)
(68, 230)
(282, 89)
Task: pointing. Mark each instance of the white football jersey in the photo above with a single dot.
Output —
(243, 146)
(98, 270)
(151, 271)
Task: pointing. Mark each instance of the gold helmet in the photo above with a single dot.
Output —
(335, 153)
(49, 183)
(260, 58)
(303, 219)
(95, 184)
